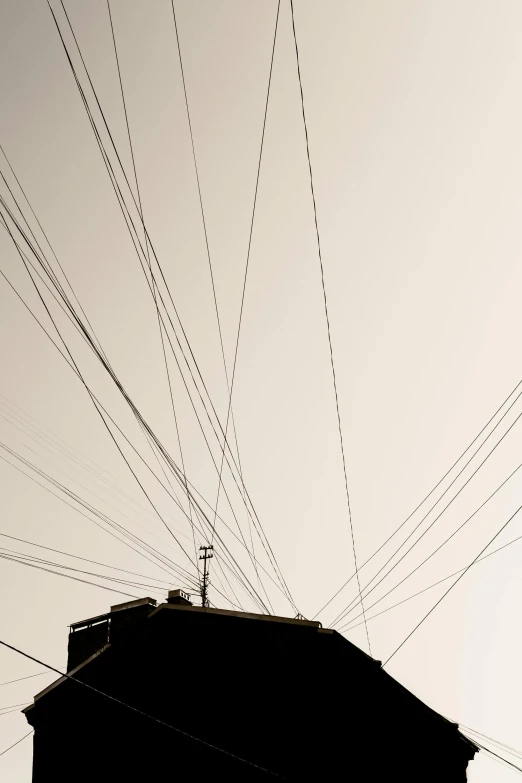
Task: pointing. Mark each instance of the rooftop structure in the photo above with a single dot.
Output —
(237, 696)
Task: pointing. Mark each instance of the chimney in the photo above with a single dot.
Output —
(179, 598)
(89, 636)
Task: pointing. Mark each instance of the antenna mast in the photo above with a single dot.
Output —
(206, 556)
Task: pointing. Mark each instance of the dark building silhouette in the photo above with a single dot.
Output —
(286, 695)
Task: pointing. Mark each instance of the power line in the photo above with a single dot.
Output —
(247, 263)
(12, 706)
(102, 406)
(120, 197)
(138, 711)
(129, 222)
(17, 709)
(452, 586)
(496, 755)
(17, 742)
(149, 433)
(75, 460)
(83, 486)
(328, 329)
(107, 367)
(348, 609)
(98, 405)
(423, 500)
(451, 535)
(174, 568)
(349, 626)
(68, 576)
(140, 209)
(25, 559)
(85, 559)
(48, 242)
(507, 748)
(117, 510)
(236, 563)
(29, 677)
(269, 551)
(64, 357)
(120, 388)
(122, 203)
(214, 293)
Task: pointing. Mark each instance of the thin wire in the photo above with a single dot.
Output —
(138, 711)
(68, 576)
(64, 357)
(247, 265)
(133, 407)
(214, 292)
(122, 205)
(24, 559)
(130, 222)
(142, 423)
(85, 559)
(109, 370)
(453, 585)
(17, 742)
(29, 676)
(437, 549)
(10, 712)
(349, 626)
(49, 244)
(148, 548)
(225, 548)
(49, 444)
(348, 609)
(83, 486)
(492, 752)
(423, 500)
(107, 366)
(73, 454)
(13, 706)
(328, 329)
(140, 210)
(507, 748)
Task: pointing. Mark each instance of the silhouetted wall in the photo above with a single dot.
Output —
(297, 700)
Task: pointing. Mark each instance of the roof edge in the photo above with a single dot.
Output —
(65, 677)
(270, 618)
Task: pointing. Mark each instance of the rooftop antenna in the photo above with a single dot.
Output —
(206, 556)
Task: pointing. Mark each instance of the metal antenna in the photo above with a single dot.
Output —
(206, 556)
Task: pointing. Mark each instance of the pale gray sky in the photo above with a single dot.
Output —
(414, 111)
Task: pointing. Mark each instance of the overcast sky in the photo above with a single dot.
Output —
(414, 113)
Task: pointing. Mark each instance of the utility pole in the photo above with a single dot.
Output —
(206, 556)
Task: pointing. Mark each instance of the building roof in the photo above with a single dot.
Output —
(167, 612)
(162, 607)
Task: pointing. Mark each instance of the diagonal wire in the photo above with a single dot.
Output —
(349, 625)
(507, 748)
(256, 189)
(133, 407)
(17, 742)
(492, 752)
(136, 710)
(265, 542)
(499, 531)
(50, 247)
(214, 293)
(328, 329)
(140, 210)
(350, 608)
(269, 551)
(439, 482)
(62, 354)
